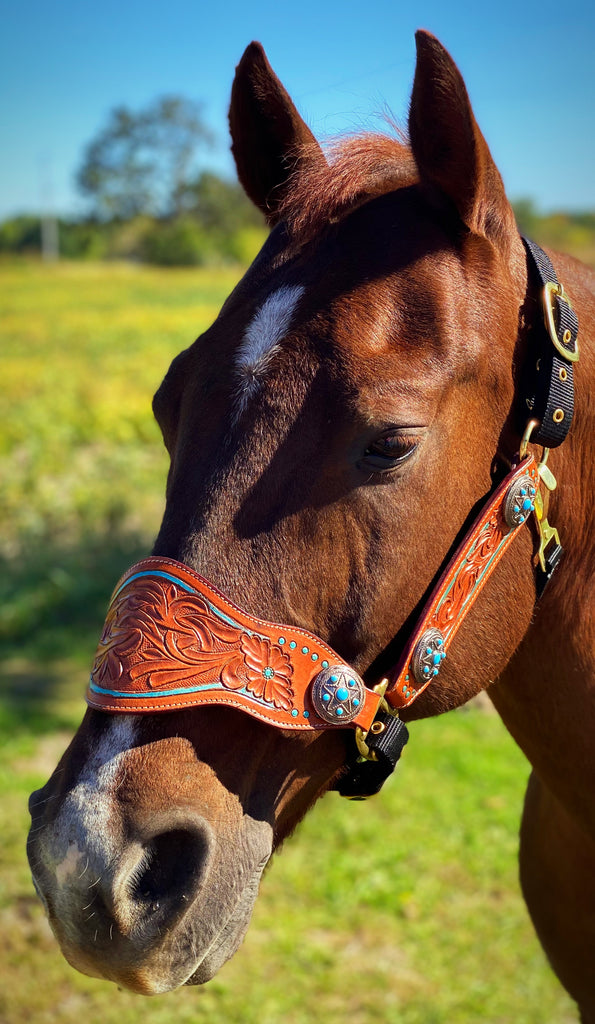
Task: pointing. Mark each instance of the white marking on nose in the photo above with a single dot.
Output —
(69, 864)
(263, 336)
(83, 825)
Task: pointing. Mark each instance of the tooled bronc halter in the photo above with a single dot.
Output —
(171, 640)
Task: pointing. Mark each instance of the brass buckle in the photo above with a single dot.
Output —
(360, 736)
(550, 292)
(526, 438)
(547, 533)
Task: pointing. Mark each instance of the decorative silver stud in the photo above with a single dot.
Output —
(519, 501)
(338, 695)
(428, 655)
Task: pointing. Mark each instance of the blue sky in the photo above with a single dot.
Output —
(529, 67)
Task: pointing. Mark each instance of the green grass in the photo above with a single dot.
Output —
(404, 909)
(82, 465)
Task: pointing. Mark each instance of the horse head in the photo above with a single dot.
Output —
(329, 436)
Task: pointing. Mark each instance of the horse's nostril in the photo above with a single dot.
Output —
(171, 869)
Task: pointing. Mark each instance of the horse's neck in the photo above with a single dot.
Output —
(547, 695)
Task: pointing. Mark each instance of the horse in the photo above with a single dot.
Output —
(357, 410)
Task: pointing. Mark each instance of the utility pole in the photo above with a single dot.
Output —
(50, 242)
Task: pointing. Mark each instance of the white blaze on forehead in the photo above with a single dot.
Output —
(263, 336)
(82, 829)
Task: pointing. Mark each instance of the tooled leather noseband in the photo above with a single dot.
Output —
(171, 640)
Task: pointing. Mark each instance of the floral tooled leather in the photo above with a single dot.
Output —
(165, 640)
(460, 584)
(466, 579)
(170, 640)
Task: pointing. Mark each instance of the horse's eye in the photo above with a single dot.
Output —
(389, 451)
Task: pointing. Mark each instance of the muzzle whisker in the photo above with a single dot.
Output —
(84, 870)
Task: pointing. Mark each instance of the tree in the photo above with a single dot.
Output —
(140, 162)
(219, 206)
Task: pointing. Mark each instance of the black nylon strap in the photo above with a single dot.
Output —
(552, 557)
(366, 778)
(548, 384)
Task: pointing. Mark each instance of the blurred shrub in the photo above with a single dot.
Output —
(21, 235)
(126, 238)
(221, 207)
(184, 242)
(82, 241)
(573, 233)
(244, 245)
(179, 243)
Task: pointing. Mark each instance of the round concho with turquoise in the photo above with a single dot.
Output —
(428, 655)
(338, 695)
(519, 501)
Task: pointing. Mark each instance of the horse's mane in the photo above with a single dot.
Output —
(355, 170)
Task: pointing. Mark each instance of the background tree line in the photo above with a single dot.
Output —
(149, 198)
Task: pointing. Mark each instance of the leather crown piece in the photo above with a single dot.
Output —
(171, 640)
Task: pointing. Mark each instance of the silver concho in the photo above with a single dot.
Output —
(428, 655)
(519, 501)
(338, 695)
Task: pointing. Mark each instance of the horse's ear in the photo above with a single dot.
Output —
(451, 154)
(269, 138)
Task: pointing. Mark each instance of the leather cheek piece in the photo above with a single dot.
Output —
(461, 583)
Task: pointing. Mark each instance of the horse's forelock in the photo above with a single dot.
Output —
(357, 169)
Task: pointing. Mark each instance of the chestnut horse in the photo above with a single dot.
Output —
(330, 436)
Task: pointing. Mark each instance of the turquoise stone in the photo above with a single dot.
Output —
(342, 693)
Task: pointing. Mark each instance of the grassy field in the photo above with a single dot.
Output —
(404, 909)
